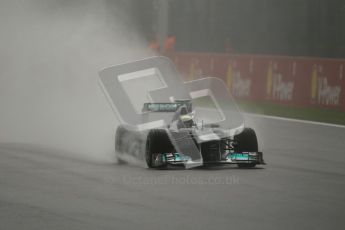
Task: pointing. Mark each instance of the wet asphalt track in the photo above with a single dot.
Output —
(302, 187)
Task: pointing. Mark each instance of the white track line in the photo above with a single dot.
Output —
(294, 120)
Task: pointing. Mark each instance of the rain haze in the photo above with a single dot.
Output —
(51, 52)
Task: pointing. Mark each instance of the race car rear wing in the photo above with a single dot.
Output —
(167, 107)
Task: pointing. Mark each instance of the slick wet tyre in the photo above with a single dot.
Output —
(246, 142)
(157, 143)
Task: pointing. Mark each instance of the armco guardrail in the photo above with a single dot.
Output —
(285, 80)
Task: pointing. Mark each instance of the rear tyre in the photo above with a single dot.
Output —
(119, 148)
(157, 143)
(246, 142)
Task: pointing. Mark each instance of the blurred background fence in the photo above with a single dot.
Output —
(306, 82)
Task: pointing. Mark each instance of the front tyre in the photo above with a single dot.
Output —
(157, 143)
(246, 142)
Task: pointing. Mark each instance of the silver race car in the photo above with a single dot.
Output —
(170, 145)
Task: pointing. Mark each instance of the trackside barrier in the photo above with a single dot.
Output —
(311, 82)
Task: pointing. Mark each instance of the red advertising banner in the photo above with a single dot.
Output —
(285, 80)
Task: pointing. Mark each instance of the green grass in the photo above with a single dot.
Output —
(313, 114)
(267, 108)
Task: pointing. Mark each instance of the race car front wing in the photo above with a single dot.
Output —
(231, 158)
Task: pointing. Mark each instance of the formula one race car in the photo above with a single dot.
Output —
(184, 142)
